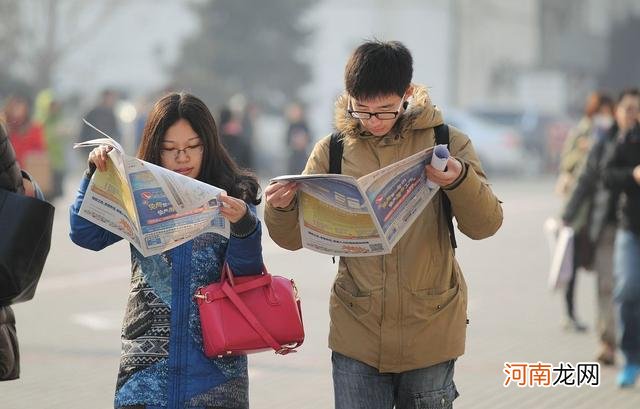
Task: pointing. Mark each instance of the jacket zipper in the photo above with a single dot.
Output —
(184, 321)
(178, 291)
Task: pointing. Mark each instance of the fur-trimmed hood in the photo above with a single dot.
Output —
(420, 114)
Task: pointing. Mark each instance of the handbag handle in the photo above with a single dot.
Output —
(255, 323)
(227, 274)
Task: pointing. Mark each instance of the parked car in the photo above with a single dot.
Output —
(543, 133)
(499, 147)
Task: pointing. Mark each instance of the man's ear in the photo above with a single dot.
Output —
(409, 91)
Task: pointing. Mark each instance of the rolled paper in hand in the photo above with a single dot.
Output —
(438, 161)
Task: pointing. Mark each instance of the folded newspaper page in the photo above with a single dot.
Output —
(342, 216)
(153, 208)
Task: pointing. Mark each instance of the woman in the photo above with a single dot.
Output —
(162, 361)
(598, 118)
(25, 135)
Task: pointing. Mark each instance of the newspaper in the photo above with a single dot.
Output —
(153, 208)
(342, 216)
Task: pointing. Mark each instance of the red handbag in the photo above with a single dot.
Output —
(249, 314)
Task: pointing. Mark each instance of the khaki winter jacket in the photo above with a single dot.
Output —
(407, 309)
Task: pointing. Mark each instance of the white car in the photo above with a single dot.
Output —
(499, 147)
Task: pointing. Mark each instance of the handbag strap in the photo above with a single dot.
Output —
(254, 322)
(227, 274)
(214, 292)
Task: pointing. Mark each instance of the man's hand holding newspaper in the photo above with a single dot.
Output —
(340, 215)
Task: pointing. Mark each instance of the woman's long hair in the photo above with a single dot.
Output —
(218, 168)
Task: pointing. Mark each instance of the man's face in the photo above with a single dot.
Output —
(382, 104)
(627, 112)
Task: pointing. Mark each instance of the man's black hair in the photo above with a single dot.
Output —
(632, 92)
(378, 68)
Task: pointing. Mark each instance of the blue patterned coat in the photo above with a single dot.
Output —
(162, 362)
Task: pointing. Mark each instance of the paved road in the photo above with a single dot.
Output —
(70, 333)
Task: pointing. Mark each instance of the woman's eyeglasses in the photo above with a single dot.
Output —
(174, 153)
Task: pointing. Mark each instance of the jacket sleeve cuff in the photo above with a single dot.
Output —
(475, 206)
(291, 207)
(461, 176)
(91, 168)
(245, 226)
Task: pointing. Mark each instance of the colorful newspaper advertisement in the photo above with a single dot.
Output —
(342, 216)
(153, 208)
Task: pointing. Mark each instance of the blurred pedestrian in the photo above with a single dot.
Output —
(12, 180)
(26, 136)
(622, 174)
(28, 140)
(103, 117)
(598, 118)
(163, 362)
(398, 321)
(298, 139)
(250, 115)
(591, 187)
(48, 113)
(233, 138)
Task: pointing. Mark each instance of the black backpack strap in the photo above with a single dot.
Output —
(336, 146)
(442, 138)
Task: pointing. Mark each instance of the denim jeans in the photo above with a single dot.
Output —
(626, 267)
(360, 386)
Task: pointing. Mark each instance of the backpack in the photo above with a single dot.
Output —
(336, 147)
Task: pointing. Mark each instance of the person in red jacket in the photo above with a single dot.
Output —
(25, 136)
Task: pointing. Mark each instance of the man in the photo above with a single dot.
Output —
(398, 321)
(103, 117)
(622, 174)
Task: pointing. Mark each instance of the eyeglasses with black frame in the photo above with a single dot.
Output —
(173, 153)
(383, 116)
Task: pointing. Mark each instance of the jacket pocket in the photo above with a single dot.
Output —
(424, 305)
(358, 305)
(434, 300)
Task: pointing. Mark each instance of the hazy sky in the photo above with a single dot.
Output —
(131, 51)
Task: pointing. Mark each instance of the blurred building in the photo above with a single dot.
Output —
(592, 44)
(540, 56)
(543, 56)
(341, 26)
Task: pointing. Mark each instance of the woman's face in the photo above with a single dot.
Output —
(182, 149)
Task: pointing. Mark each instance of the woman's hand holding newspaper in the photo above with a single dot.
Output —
(98, 158)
